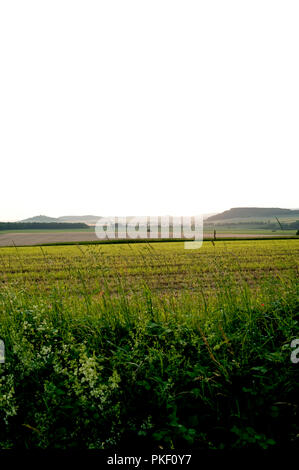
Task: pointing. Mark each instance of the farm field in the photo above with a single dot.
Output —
(65, 230)
(254, 231)
(42, 237)
(164, 267)
(149, 343)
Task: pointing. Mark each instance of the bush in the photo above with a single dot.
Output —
(217, 380)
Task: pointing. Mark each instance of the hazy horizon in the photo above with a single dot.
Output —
(132, 215)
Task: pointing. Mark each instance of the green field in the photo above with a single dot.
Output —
(233, 230)
(253, 231)
(149, 344)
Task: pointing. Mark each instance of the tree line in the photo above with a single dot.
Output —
(257, 224)
(41, 225)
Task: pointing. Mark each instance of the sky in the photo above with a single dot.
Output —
(147, 107)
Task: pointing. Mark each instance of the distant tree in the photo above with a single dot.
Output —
(41, 225)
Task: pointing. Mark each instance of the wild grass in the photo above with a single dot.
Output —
(149, 345)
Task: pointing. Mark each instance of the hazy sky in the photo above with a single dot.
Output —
(123, 107)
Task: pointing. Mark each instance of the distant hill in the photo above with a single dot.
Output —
(257, 213)
(85, 219)
(39, 219)
(206, 216)
(234, 215)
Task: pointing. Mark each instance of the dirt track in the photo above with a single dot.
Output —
(21, 239)
(29, 239)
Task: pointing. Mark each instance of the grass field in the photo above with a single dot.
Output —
(208, 231)
(52, 237)
(149, 344)
(254, 231)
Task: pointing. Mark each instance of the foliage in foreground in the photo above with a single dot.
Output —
(170, 371)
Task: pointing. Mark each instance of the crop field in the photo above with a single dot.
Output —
(44, 237)
(149, 344)
(163, 267)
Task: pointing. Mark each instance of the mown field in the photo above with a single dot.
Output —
(59, 237)
(107, 345)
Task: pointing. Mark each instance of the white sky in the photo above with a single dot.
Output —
(124, 107)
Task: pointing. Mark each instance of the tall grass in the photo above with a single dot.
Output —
(106, 367)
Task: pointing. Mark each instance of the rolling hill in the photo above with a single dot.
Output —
(86, 219)
(238, 214)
